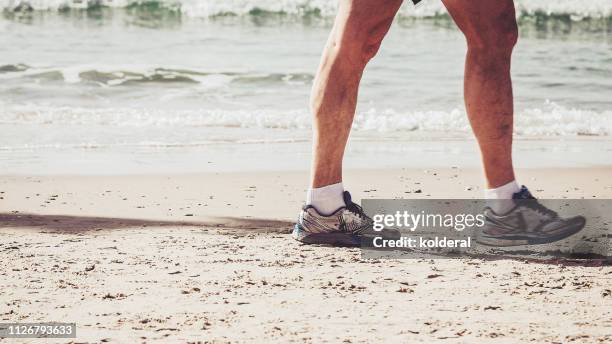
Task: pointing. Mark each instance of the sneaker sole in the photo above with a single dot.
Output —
(518, 240)
(333, 239)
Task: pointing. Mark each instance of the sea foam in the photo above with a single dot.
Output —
(575, 10)
(548, 120)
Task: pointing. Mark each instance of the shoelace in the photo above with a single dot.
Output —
(356, 209)
(535, 205)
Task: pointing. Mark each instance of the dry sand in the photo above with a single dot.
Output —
(188, 258)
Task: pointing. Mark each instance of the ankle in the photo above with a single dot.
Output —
(505, 191)
(500, 198)
(326, 199)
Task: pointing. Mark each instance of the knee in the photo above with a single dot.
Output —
(497, 41)
(359, 49)
(360, 44)
(372, 39)
(369, 50)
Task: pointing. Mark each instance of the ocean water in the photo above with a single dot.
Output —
(115, 86)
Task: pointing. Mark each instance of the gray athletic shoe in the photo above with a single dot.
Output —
(527, 223)
(347, 226)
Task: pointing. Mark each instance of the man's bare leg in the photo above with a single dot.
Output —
(330, 217)
(358, 30)
(491, 32)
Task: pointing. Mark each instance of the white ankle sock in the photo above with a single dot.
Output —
(505, 191)
(497, 196)
(326, 199)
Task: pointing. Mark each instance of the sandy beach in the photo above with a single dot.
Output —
(155, 155)
(207, 258)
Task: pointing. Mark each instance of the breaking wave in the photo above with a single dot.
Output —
(565, 9)
(131, 75)
(549, 120)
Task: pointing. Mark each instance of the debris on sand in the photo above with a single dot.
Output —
(110, 296)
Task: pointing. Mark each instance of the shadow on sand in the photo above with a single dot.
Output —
(76, 224)
(71, 224)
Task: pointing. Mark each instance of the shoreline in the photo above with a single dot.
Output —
(413, 151)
